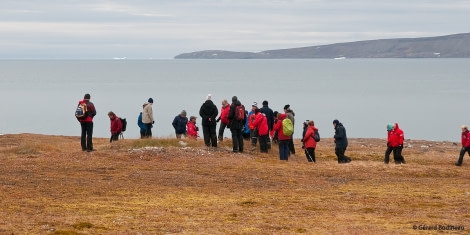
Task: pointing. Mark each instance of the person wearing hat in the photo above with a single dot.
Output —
(192, 128)
(389, 148)
(291, 115)
(465, 145)
(341, 142)
(251, 119)
(208, 113)
(86, 124)
(147, 117)
(179, 123)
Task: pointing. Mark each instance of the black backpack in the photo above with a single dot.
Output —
(316, 136)
(124, 124)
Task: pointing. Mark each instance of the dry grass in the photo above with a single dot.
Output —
(49, 186)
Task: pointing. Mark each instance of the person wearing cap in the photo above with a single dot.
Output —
(465, 145)
(251, 119)
(397, 138)
(86, 124)
(192, 128)
(262, 129)
(223, 118)
(208, 113)
(236, 126)
(147, 117)
(341, 142)
(290, 114)
(179, 123)
(389, 148)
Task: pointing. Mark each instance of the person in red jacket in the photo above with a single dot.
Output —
(116, 126)
(192, 128)
(396, 140)
(283, 140)
(86, 124)
(309, 142)
(223, 118)
(465, 145)
(261, 125)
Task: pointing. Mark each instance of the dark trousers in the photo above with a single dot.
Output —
(462, 153)
(254, 137)
(148, 130)
(221, 130)
(397, 157)
(210, 136)
(237, 140)
(114, 137)
(310, 154)
(291, 146)
(387, 154)
(340, 154)
(263, 143)
(283, 149)
(87, 135)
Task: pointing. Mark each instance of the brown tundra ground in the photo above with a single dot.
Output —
(158, 186)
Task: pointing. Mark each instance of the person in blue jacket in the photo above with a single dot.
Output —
(143, 128)
(179, 123)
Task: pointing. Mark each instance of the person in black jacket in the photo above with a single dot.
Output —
(208, 113)
(236, 126)
(341, 142)
(270, 116)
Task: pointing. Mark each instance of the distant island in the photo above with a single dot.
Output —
(448, 46)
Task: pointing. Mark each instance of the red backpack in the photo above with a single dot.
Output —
(240, 112)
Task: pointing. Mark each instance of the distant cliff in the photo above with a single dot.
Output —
(449, 46)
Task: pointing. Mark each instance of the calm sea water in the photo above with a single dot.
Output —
(427, 97)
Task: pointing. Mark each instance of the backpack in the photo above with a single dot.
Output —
(316, 136)
(123, 123)
(287, 127)
(82, 111)
(240, 112)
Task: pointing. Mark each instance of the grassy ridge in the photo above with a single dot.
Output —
(158, 186)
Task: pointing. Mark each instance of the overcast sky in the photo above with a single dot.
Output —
(139, 29)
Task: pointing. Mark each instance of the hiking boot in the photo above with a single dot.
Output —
(458, 164)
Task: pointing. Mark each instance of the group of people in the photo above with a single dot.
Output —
(261, 125)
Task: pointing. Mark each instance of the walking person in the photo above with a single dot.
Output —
(283, 140)
(147, 118)
(86, 123)
(389, 148)
(223, 118)
(208, 113)
(237, 121)
(341, 142)
(465, 145)
(397, 138)
(179, 124)
(291, 115)
(309, 141)
(116, 126)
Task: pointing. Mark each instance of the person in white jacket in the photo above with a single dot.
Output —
(147, 118)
